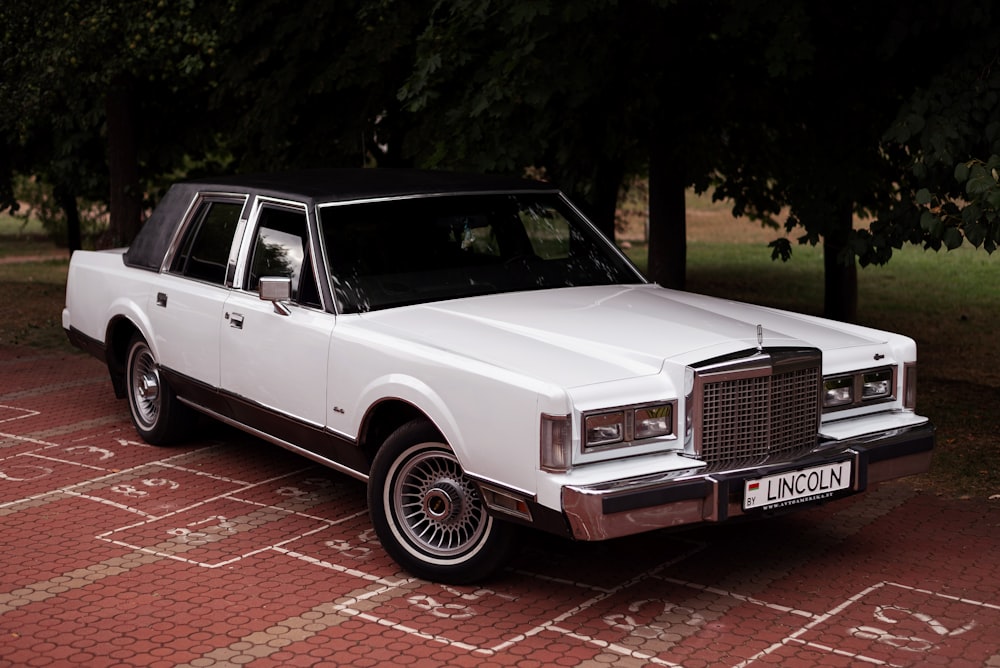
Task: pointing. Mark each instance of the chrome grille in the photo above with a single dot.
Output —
(756, 409)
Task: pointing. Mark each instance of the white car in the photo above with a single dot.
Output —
(483, 358)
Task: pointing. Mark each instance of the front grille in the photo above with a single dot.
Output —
(757, 409)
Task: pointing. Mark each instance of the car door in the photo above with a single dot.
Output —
(274, 359)
(187, 302)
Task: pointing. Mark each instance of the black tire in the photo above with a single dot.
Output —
(156, 413)
(428, 515)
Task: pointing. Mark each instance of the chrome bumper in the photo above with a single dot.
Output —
(636, 505)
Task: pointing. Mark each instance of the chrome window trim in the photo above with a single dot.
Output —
(188, 219)
(395, 198)
(249, 237)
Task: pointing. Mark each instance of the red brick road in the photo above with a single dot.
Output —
(230, 552)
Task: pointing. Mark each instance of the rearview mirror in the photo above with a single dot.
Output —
(276, 289)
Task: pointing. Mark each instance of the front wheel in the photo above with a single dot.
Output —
(156, 413)
(428, 515)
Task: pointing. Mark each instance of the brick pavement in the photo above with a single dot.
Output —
(230, 552)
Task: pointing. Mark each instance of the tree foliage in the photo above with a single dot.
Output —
(317, 86)
(826, 111)
(592, 91)
(95, 89)
(946, 141)
(826, 154)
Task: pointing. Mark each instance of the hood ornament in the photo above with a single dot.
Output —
(760, 338)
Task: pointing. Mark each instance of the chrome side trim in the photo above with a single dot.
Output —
(308, 454)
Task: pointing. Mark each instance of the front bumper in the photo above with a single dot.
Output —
(636, 505)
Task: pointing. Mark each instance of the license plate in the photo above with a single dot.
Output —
(794, 487)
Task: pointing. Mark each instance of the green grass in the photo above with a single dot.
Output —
(31, 246)
(20, 238)
(917, 287)
(16, 227)
(32, 294)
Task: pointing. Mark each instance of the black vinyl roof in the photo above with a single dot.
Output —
(311, 187)
(340, 185)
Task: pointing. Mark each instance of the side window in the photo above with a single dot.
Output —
(281, 248)
(205, 249)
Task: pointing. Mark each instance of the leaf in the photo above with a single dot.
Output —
(961, 172)
(993, 199)
(975, 233)
(952, 238)
(971, 213)
(980, 181)
(924, 197)
(781, 249)
(931, 223)
(915, 123)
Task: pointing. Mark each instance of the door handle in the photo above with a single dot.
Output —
(161, 299)
(236, 320)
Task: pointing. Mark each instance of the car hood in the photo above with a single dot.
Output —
(587, 335)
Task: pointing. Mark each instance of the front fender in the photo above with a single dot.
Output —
(498, 442)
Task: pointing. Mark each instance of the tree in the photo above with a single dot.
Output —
(126, 74)
(593, 91)
(946, 138)
(317, 87)
(500, 87)
(885, 99)
(821, 147)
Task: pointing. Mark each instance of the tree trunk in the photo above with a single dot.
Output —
(607, 186)
(123, 165)
(67, 202)
(667, 219)
(840, 278)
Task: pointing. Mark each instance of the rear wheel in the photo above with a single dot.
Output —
(156, 413)
(429, 515)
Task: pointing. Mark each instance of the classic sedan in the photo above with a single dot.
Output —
(474, 350)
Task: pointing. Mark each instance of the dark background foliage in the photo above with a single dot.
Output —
(823, 111)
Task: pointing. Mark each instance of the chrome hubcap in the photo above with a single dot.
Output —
(149, 389)
(145, 388)
(436, 506)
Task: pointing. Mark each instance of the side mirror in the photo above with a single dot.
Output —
(276, 289)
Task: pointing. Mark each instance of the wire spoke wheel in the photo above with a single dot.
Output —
(436, 506)
(428, 514)
(157, 414)
(144, 384)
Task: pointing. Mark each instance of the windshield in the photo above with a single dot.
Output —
(412, 251)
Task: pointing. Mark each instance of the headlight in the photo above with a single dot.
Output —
(627, 424)
(604, 429)
(861, 387)
(838, 391)
(654, 421)
(876, 384)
